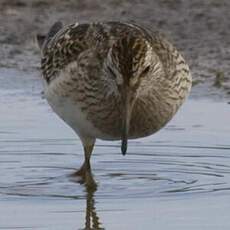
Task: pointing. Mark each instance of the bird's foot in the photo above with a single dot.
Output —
(80, 172)
(85, 176)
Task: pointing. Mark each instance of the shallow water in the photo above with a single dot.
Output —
(177, 179)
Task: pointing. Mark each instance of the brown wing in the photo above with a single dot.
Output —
(62, 49)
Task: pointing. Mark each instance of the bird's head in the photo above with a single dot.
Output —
(129, 63)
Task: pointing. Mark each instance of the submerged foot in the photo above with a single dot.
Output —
(84, 176)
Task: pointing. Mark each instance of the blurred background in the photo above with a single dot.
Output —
(200, 29)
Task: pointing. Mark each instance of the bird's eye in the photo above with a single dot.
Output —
(111, 72)
(145, 71)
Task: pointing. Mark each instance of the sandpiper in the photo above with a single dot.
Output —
(112, 80)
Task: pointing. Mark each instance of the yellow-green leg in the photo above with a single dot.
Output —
(85, 171)
(86, 165)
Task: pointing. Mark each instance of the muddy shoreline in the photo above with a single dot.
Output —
(200, 29)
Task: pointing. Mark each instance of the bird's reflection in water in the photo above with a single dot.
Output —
(92, 221)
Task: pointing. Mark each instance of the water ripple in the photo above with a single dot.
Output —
(137, 175)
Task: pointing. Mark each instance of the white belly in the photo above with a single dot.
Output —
(70, 112)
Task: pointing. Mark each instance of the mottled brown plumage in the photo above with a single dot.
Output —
(112, 80)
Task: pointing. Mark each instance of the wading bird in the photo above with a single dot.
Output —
(112, 80)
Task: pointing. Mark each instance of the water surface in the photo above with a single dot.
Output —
(176, 179)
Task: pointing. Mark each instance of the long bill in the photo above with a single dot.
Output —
(126, 116)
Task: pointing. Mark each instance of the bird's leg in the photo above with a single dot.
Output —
(88, 149)
(85, 171)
